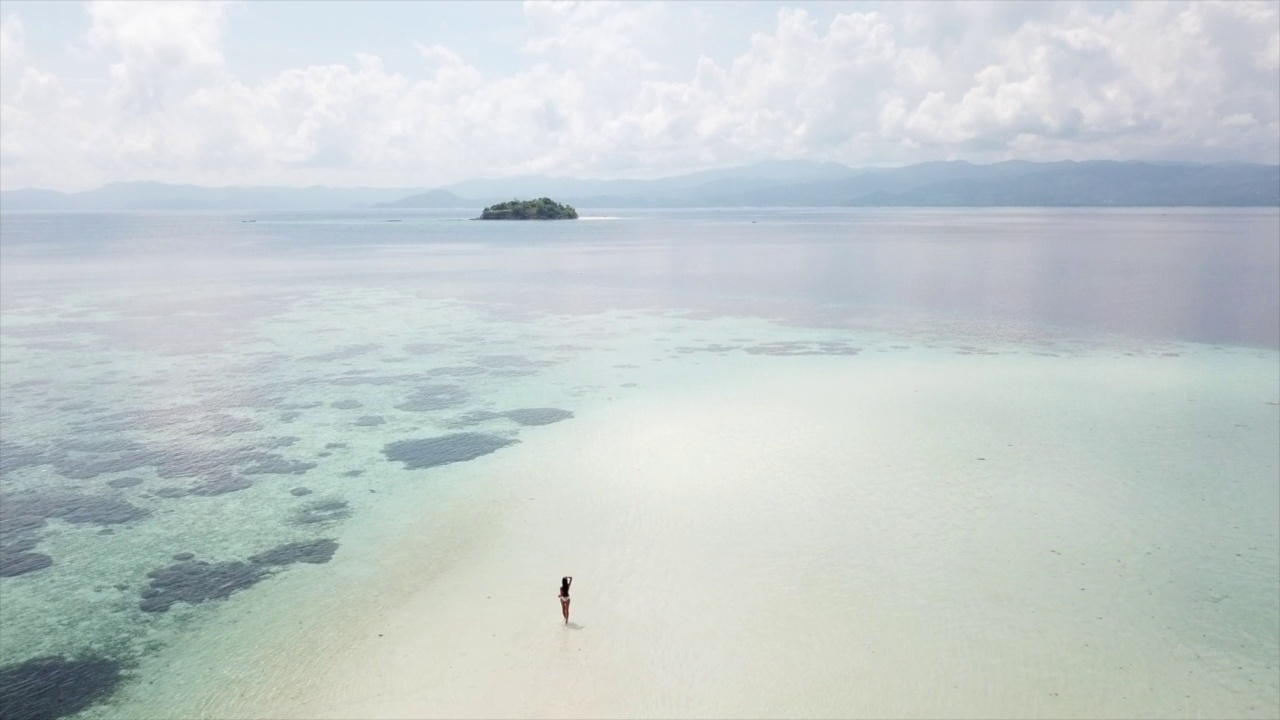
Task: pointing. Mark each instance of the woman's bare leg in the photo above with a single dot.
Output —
(564, 608)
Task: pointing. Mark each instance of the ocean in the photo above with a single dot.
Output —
(801, 463)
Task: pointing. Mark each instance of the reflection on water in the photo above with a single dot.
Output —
(192, 405)
(1202, 275)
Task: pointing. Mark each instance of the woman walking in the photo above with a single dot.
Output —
(565, 582)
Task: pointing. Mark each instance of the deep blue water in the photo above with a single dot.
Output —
(1202, 275)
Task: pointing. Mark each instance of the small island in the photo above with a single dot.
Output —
(540, 209)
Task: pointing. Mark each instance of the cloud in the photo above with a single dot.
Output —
(162, 49)
(12, 41)
(597, 96)
(32, 104)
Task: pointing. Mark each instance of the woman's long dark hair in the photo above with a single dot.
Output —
(564, 583)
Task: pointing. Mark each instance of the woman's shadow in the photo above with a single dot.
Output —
(574, 626)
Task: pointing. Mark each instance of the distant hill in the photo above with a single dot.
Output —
(162, 196)
(791, 183)
(760, 175)
(1022, 184)
(429, 199)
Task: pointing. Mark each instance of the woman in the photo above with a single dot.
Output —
(565, 582)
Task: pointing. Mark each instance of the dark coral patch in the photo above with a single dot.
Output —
(325, 510)
(434, 397)
(69, 466)
(222, 424)
(170, 462)
(109, 445)
(346, 353)
(538, 416)
(257, 397)
(300, 491)
(103, 511)
(424, 348)
(301, 405)
(15, 521)
(278, 466)
(20, 563)
(194, 581)
(510, 361)
(22, 511)
(19, 542)
(793, 348)
(475, 417)
(54, 687)
(352, 379)
(346, 404)
(512, 372)
(430, 452)
(370, 421)
(307, 551)
(14, 457)
(194, 463)
(222, 484)
(25, 383)
(124, 482)
(76, 405)
(460, 371)
(171, 493)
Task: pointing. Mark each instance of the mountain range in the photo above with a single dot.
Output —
(789, 183)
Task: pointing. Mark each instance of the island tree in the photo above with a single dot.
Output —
(540, 209)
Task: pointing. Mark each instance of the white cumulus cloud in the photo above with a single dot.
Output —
(598, 96)
(13, 41)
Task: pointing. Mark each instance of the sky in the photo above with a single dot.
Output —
(404, 94)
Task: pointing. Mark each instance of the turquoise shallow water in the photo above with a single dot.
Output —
(195, 384)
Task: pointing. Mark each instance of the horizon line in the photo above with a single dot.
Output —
(636, 179)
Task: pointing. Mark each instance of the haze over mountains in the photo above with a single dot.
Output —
(792, 183)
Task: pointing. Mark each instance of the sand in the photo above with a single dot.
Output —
(772, 545)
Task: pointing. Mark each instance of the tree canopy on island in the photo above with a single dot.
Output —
(540, 209)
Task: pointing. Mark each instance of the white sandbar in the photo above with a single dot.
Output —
(871, 539)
